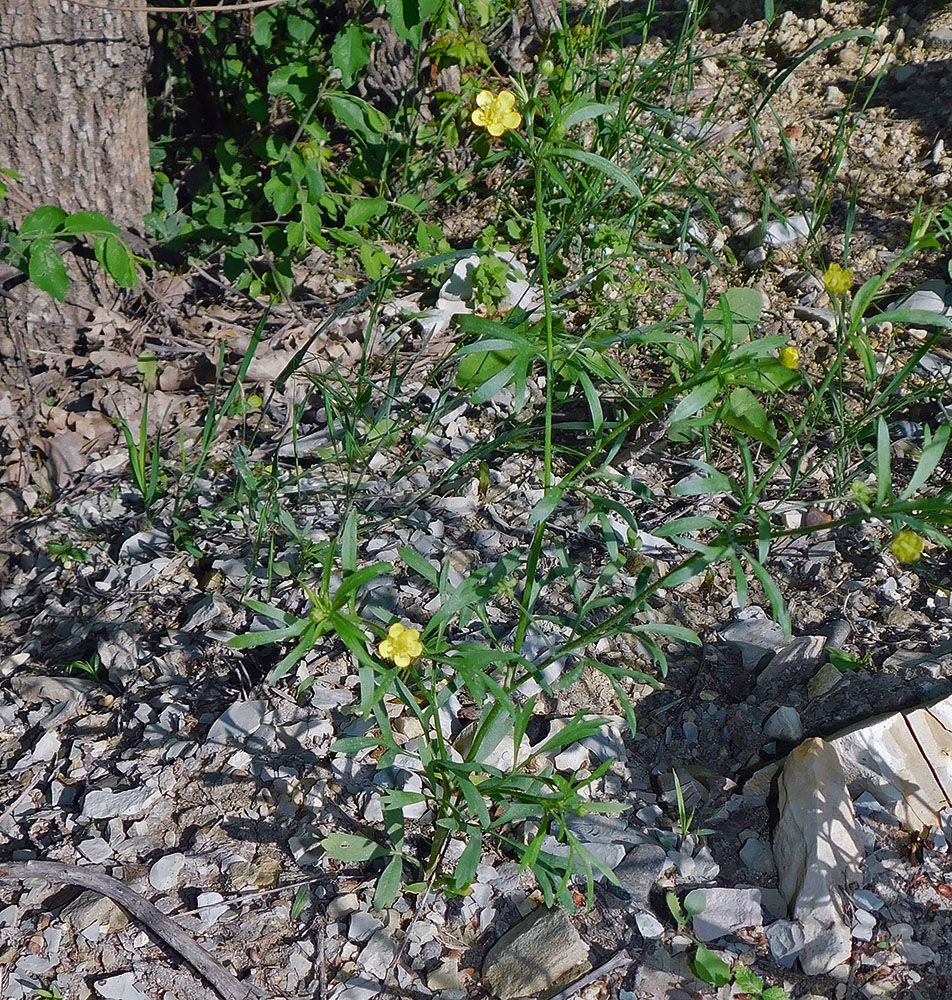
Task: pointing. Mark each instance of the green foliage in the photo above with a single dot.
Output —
(91, 668)
(38, 245)
(709, 967)
(332, 610)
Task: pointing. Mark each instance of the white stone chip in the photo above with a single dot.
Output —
(103, 803)
(163, 875)
(121, 987)
(211, 913)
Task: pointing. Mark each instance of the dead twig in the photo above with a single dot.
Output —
(216, 975)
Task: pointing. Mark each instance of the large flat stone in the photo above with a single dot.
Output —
(904, 760)
(538, 956)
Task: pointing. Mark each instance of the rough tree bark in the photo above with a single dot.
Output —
(73, 125)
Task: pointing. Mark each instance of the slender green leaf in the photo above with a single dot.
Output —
(696, 400)
(351, 847)
(920, 317)
(418, 564)
(469, 860)
(354, 581)
(883, 462)
(606, 167)
(933, 448)
(700, 484)
(388, 885)
(544, 508)
(252, 639)
(574, 115)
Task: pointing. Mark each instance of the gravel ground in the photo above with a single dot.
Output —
(185, 777)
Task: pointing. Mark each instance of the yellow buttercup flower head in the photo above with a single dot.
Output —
(790, 357)
(496, 112)
(401, 645)
(838, 280)
(907, 546)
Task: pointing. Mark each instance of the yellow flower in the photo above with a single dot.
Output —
(907, 546)
(790, 357)
(401, 645)
(496, 112)
(838, 280)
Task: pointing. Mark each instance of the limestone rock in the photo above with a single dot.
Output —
(794, 664)
(904, 760)
(784, 724)
(539, 954)
(754, 636)
(818, 850)
(725, 911)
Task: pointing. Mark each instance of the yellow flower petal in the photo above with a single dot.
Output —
(385, 649)
(496, 112)
(907, 546)
(838, 280)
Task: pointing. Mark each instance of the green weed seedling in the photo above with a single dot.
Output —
(91, 668)
(685, 818)
(709, 967)
(67, 552)
(51, 994)
(332, 609)
(143, 454)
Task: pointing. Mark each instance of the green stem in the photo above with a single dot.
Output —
(547, 306)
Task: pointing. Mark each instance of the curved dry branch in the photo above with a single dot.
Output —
(163, 927)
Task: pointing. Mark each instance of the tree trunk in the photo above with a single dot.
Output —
(73, 125)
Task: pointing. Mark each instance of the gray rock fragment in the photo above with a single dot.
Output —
(778, 234)
(864, 923)
(784, 724)
(818, 851)
(755, 259)
(121, 987)
(794, 664)
(754, 636)
(211, 911)
(640, 870)
(786, 940)
(362, 926)
(757, 856)
(242, 720)
(378, 954)
(824, 317)
(725, 911)
(650, 928)
(102, 803)
(540, 952)
(33, 689)
(931, 296)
